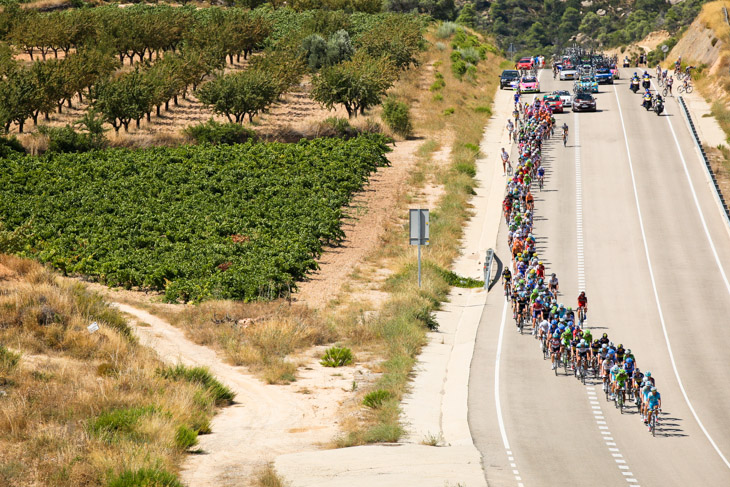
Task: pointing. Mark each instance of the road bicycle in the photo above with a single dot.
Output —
(540, 181)
(566, 360)
(581, 371)
(565, 138)
(507, 289)
(606, 387)
(509, 168)
(581, 315)
(545, 351)
(619, 399)
(653, 421)
(685, 88)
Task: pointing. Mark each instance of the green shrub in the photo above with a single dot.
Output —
(458, 68)
(185, 437)
(68, 139)
(483, 109)
(145, 478)
(397, 116)
(449, 111)
(376, 398)
(119, 422)
(438, 97)
(10, 145)
(340, 127)
(200, 375)
(8, 359)
(212, 132)
(470, 55)
(337, 357)
(446, 30)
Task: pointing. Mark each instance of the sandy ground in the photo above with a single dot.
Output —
(436, 409)
(265, 421)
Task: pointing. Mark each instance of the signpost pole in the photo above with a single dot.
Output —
(419, 233)
(419, 265)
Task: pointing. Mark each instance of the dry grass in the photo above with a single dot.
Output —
(70, 416)
(267, 477)
(712, 17)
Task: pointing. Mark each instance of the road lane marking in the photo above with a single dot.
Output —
(651, 272)
(579, 206)
(498, 403)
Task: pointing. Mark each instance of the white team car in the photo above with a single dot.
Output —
(565, 97)
(568, 74)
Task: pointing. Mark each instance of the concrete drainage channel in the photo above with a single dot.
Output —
(716, 188)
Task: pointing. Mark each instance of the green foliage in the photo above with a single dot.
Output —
(202, 376)
(376, 398)
(239, 94)
(212, 132)
(446, 30)
(397, 116)
(467, 15)
(66, 139)
(397, 37)
(319, 52)
(357, 84)
(118, 423)
(8, 359)
(10, 145)
(229, 222)
(544, 27)
(337, 357)
(145, 478)
(185, 437)
(340, 126)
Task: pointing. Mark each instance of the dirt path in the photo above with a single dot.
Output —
(265, 421)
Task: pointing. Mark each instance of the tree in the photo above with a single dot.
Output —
(315, 51)
(569, 22)
(467, 16)
(123, 99)
(19, 98)
(357, 84)
(319, 52)
(239, 94)
(590, 24)
(397, 37)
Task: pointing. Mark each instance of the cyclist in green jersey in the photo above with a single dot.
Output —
(620, 383)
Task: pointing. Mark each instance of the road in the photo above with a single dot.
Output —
(626, 214)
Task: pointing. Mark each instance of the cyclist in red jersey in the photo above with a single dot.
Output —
(583, 304)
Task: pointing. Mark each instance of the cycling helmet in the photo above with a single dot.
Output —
(653, 389)
(582, 341)
(620, 345)
(554, 275)
(629, 360)
(554, 322)
(556, 335)
(605, 335)
(539, 263)
(648, 374)
(611, 345)
(611, 353)
(570, 309)
(628, 351)
(637, 370)
(604, 347)
(614, 369)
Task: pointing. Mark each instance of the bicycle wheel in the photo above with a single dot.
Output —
(689, 89)
(680, 89)
(653, 423)
(664, 92)
(555, 367)
(621, 402)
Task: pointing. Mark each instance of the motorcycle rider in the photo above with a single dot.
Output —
(634, 86)
(647, 100)
(645, 80)
(658, 104)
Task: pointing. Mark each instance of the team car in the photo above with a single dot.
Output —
(529, 84)
(565, 97)
(584, 102)
(554, 102)
(615, 72)
(586, 84)
(568, 73)
(524, 63)
(604, 76)
(509, 79)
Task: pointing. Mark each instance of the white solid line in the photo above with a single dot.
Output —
(653, 281)
(500, 420)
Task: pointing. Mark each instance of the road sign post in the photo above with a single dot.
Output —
(419, 233)
(665, 50)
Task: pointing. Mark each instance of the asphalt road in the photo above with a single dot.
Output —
(628, 215)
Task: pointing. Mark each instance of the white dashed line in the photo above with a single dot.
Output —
(579, 206)
(612, 448)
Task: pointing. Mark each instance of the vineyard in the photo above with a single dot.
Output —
(199, 222)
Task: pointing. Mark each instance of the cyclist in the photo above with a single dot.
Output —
(541, 175)
(583, 348)
(565, 339)
(636, 378)
(553, 284)
(510, 127)
(595, 354)
(555, 348)
(507, 281)
(606, 365)
(688, 72)
(565, 134)
(543, 329)
(604, 340)
(620, 352)
(654, 403)
(583, 305)
(620, 385)
(505, 160)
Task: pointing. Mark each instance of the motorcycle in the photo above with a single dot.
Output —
(658, 107)
(646, 84)
(648, 104)
(634, 85)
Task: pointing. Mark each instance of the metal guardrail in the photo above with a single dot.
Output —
(489, 259)
(708, 167)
